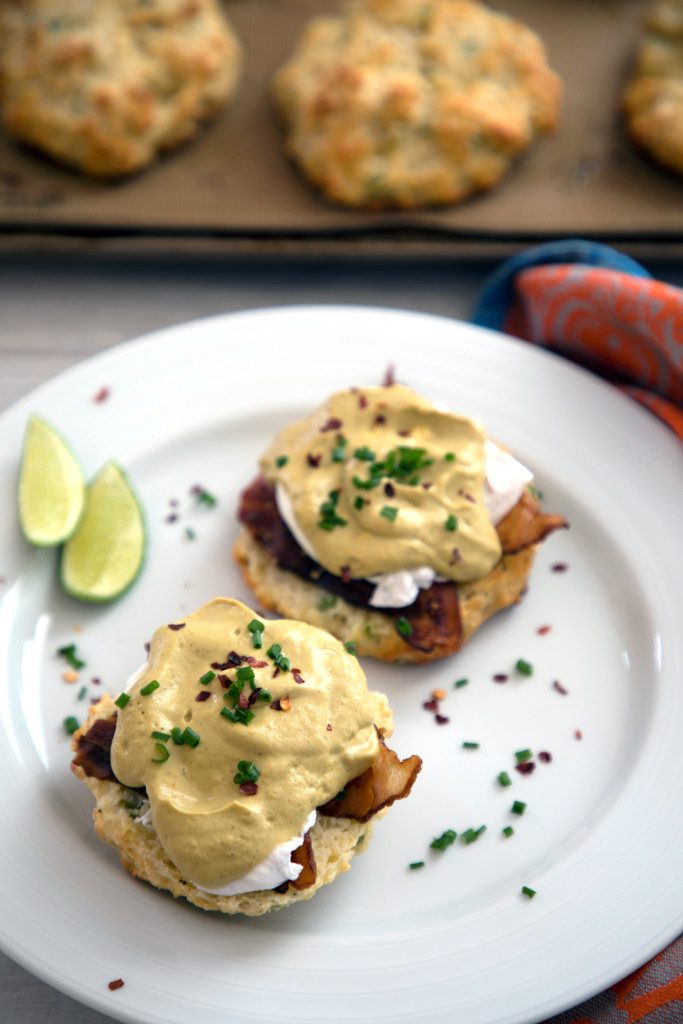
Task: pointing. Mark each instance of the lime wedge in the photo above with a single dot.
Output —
(51, 488)
(106, 553)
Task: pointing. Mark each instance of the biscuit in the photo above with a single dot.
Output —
(336, 841)
(405, 103)
(373, 632)
(653, 101)
(104, 87)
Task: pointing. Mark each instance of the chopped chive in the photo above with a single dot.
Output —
(70, 655)
(190, 533)
(508, 831)
(326, 602)
(241, 716)
(518, 807)
(504, 779)
(207, 678)
(283, 663)
(451, 523)
(245, 674)
(358, 501)
(526, 891)
(177, 736)
(445, 840)
(265, 695)
(416, 864)
(233, 691)
(339, 451)
(151, 686)
(281, 461)
(190, 737)
(471, 835)
(162, 736)
(449, 457)
(523, 755)
(403, 627)
(460, 682)
(161, 752)
(328, 513)
(389, 512)
(525, 668)
(204, 497)
(274, 651)
(82, 692)
(468, 745)
(71, 724)
(246, 772)
(122, 700)
(364, 454)
(350, 647)
(255, 626)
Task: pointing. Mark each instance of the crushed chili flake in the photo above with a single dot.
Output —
(171, 625)
(578, 735)
(379, 419)
(389, 490)
(117, 983)
(234, 658)
(224, 680)
(362, 402)
(345, 573)
(441, 719)
(254, 695)
(543, 630)
(431, 705)
(455, 556)
(96, 680)
(404, 433)
(332, 424)
(500, 677)
(202, 696)
(544, 756)
(525, 768)
(172, 517)
(313, 460)
(281, 704)
(249, 788)
(101, 396)
(276, 673)
(243, 701)
(389, 376)
(173, 502)
(298, 678)
(559, 567)
(328, 727)
(220, 666)
(426, 485)
(254, 662)
(557, 685)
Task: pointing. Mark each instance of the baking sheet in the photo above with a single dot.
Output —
(232, 187)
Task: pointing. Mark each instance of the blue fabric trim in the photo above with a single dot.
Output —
(498, 292)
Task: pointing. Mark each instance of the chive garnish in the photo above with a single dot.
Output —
(177, 736)
(449, 457)
(389, 512)
(339, 451)
(256, 629)
(190, 533)
(82, 692)
(265, 695)
(246, 772)
(451, 523)
(204, 497)
(207, 678)
(71, 724)
(328, 513)
(364, 454)
(241, 716)
(326, 602)
(274, 651)
(471, 835)
(162, 736)
(350, 647)
(460, 682)
(358, 502)
(416, 864)
(526, 891)
(70, 655)
(281, 461)
(122, 700)
(508, 831)
(504, 779)
(523, 755)
(151, 686)
(190, 737)
(518, 807)
(162, 753)
(403, 627)
(469, 745)
(525, 668)
(445, 840)
(245, 674)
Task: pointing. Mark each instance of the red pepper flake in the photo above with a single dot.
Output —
(544, 756)
(543, 630)
(559, 567)
(249, 788)
(243, 701)
(389, 376)
(297, 677)
(379, 419)
(578, 735)
(254, 662)
(313, 460)
(172, 517)
(113, 985)
(426, 485)
(254, 695)
(202, 696)
(282, 704)
(95, 680)
(404, 433)
(468, 497)
(557, 685)
(220, 666)
(431, 705)
(276, 673)
(345, 573)
(389, 490)
(362, 402)
(332, 424)
(328, 727)
(525, 768)
(147, 645)
(441, 719)
(101, 396)
(173, 502)
(172, 625)
(455, 556)
(234, 658)
(224, 680)
(500, 677)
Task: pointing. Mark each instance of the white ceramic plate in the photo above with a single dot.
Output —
(600, 840)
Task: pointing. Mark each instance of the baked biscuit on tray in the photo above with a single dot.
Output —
(653, 100)
(104, 87)
(405, 103)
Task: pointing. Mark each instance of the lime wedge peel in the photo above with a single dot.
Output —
(105, 555)
(51, 486)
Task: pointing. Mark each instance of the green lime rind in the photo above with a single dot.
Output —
(51, 490)
(106, 554)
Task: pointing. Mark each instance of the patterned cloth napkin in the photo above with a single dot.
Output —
(603, 310)
(598, 308)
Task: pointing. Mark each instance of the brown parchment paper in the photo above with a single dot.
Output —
(233, 181)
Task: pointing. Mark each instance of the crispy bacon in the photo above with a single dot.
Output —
(304, 855)
(93, 754)
(386, 780)
(527, 524)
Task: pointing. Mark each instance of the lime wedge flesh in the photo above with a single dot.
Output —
(51, 487)
(106, 553)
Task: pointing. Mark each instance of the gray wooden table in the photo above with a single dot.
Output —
(57, 311)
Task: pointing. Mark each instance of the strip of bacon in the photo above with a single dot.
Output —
(93, 754)
(388, 779)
